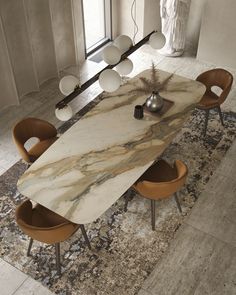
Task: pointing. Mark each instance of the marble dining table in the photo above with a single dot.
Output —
(96, 160)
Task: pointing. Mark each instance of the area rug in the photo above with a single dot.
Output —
(124, 248)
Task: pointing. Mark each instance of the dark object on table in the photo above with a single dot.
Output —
(215, 77)
(167, 104)
(138, 112)
(154, 102)
(43, 225)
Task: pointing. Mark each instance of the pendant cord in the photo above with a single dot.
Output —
(133, 16)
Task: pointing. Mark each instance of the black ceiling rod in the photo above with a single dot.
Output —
(61, 104)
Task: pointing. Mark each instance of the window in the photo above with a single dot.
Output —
(97, 24)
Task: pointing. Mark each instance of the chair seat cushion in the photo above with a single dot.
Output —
(161, 171)
(42, 224)
(161, 180)
(43, 217)
(39, 148)
(208, 101)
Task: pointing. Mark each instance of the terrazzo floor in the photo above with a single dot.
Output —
(42, 104)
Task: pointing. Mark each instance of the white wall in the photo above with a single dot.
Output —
(115, 18)
(37, 40)
(62, 27)
(15, 29)
(152, 19)
(217, 42)
(148, 19)
(8, 92)
(194, 23)
(124, 21)
(40, 36)
(148, 14)
(78, 31)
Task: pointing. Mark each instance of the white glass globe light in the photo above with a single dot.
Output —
(67, 84)
(125, 67)
(157, 40)
(111, 54)
(123, 42)
(109, 80)
(64, 114)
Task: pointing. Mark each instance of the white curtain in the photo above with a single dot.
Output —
(37, 41)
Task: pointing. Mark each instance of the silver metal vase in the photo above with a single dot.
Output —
(154, 102)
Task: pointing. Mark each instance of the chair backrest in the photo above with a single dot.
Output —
(161, 190)
(53, 232)
(217, 77)
(28, 128)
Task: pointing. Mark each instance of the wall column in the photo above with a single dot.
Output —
(38, 39)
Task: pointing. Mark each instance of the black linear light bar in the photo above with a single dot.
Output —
(61, 104)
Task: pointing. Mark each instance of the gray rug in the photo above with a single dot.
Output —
(124, 248)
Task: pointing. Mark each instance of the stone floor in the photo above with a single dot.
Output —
(13, 281)
(202, 257)
(42, 105)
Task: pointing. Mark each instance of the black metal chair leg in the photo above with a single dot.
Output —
(206, 122)
(128, 197)
(153, 209)
(58, 264)
(30, 246)
(221, 115)
(177, 202)
(85, 236)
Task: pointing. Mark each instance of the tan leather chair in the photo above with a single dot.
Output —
(215, 77)
(161, 181)
(43, 225)
(33, 127)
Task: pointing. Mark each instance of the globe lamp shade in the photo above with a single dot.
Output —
(64, 114)
(68, 84)
(125, 67)
(157, 40)
(111, 54)
(109, 80)
(123, 42)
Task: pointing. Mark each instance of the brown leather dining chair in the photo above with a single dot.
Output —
(33, 127)
(43, 225)
(215, 77)
(161, 181)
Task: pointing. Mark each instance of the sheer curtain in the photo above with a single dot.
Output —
(37, 41)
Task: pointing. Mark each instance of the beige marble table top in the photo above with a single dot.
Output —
(95, 161)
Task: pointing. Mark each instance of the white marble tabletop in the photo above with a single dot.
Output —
(95, 161)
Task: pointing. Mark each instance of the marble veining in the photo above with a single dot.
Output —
(94, 162)
(124, 248)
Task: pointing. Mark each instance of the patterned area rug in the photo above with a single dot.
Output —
(124, 248)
